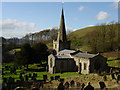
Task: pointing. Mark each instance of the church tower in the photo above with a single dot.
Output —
(61, 42)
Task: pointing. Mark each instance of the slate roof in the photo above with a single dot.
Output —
(67, 51)
(84, 55)
(63, 56)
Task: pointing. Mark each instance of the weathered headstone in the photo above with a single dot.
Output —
(33, 78)
(72, 83)
(57, 77)
(89, 87)
(82, 86)
(62, 80)
(118, 79)
(113, 76)
(51, 78)
(78, 84)
(61, 86)
(19, 88)
(34, 88)
(41, 84)
(102, 85)
(111, 70)
(66, 85)
(44, 77)
(105, 78)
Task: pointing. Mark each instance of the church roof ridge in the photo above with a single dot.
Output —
(67, 51)
(63, 56)
(84, 55)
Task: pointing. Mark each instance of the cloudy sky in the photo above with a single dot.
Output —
(20, 18)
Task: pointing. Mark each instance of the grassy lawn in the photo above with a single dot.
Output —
(113, 62)
(110, 61)
(39, 74)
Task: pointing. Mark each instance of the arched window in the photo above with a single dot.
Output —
(51, 62)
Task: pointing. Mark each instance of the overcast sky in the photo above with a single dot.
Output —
(20, 18)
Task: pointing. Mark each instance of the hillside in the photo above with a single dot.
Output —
(81, 32)
(77, 36)
(101, 38)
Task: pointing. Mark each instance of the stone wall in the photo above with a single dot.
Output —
(51, 60)
(65, 65)
(80, 64)
(98, 64)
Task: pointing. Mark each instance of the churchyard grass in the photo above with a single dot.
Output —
(7, 73)
(113, 62)
(110, 61)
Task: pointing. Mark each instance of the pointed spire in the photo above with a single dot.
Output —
(62, 31)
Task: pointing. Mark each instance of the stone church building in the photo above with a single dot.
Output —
(67, 60)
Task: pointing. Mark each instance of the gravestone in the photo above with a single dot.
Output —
(89, 87)
(33, 78)
(111, 70)
(118, 79)
(82, 86)
(61, 86)
(57, 77)
(113, 76)
(51, 78)
(66, 85)
(41, 84)
(105, 78)
(19, 88)
(62, 80)
(34, 88)
(72, 83)
(44, 77)
(117, 73)
(102, 85)
(78, 84)
(26, 77)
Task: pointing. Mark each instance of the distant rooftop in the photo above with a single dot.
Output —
(67, 51)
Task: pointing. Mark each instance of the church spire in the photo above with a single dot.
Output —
(62, 31)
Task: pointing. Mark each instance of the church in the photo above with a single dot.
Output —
(66, 60)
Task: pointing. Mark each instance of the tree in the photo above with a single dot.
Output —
(25, 56)
(40, 52)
